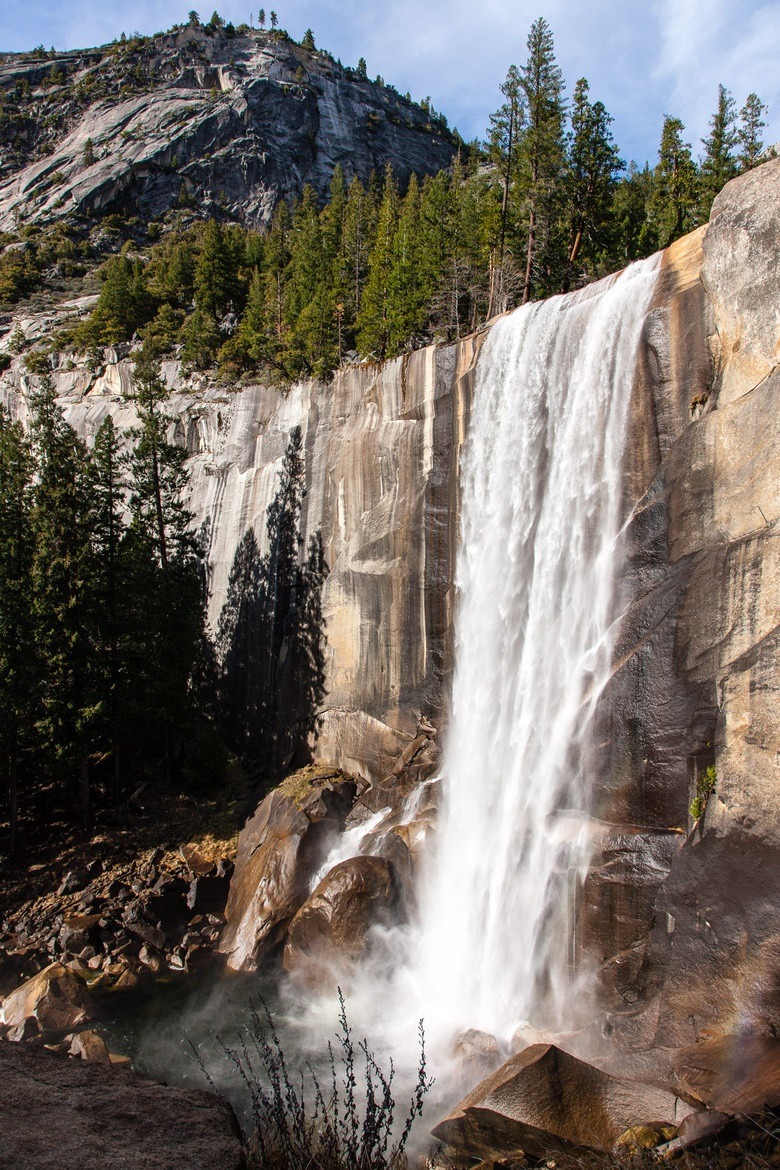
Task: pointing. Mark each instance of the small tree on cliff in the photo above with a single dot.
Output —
(719, 164)
(749, 134)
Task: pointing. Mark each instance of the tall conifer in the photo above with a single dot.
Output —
(542, 159)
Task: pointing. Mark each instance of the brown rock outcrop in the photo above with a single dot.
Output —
(332, 928)
(60, 1114)
(55, 997)
(543, 1099)
(279, 851)
(737, 1075)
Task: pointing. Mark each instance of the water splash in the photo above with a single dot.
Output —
(348, 844)
(541, 521)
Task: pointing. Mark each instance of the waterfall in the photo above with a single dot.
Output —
(541, 523)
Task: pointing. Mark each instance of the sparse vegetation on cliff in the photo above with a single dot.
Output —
(705, 786)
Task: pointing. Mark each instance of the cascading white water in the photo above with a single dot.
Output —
(541, 520)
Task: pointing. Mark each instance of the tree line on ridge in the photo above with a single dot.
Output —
(545, 205)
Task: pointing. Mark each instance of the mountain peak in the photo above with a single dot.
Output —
(232, 120)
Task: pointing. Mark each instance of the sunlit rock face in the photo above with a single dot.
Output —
(230, 124)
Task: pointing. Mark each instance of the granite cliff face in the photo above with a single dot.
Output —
(698, 681)
(234, 122)
(683, 920)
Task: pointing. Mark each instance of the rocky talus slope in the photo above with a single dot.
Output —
(680, 920)
(233, 120)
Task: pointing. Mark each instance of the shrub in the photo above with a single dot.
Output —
(330, 1128)
(705, 786)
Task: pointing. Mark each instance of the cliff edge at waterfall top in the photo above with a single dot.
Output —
(232, 119)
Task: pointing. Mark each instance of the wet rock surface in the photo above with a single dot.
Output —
(697, 681)
(332, 929)
(88, 1117)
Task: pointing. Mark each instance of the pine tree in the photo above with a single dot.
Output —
(276, 260)
(632, 234)
(506, 124)
(719, 164)
(440, 270)
(108, 490)
(332, 225)
(308, 305)
(16, 634)
(749, 133)
(123, 304)
(359, 226)
(247, 348)
(476, 235)
(374, 315)
(284, 581)
(62, 520)
(542, 162)
(164, 564)
(591, 179)
(200, 338)
(673, 201)
(407, 281)
(216, 272)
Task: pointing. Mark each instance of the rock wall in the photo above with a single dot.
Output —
(381, 447)
(697, 677)
(683, 920)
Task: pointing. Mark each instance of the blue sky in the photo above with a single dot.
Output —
(643, 60)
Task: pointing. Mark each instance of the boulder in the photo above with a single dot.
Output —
(477, 1054)
(279, 851)
(60, 1114)
(544, 1100)
(74, 880)
(332, 928)
(55, 997)
(78, 931)
(738, 1075)
(90, 1046)
(208, 894)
